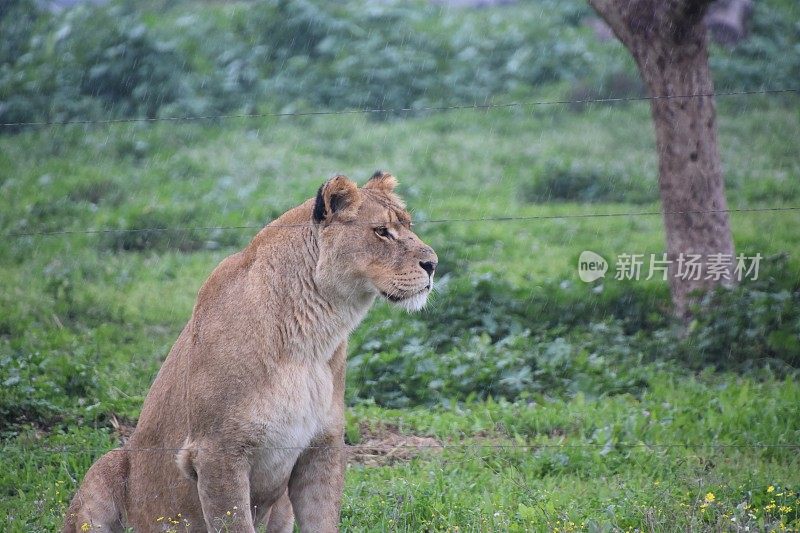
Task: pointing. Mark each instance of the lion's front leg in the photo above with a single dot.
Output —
(223, 484)
(316, 484)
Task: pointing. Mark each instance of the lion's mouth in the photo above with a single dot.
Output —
(392, 297)
(395, 298)
(409, 301)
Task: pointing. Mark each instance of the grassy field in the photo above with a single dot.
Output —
(87, 318)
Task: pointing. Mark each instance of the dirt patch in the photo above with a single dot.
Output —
(380, 445)
(385, 445)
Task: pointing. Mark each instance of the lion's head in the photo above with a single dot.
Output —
(366, 246)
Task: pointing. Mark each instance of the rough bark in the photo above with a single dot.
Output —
(667, 38)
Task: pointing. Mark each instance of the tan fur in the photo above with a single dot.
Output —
(250, 400)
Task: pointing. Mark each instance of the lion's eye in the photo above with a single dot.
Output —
(382, 231)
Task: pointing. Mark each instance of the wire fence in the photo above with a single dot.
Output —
(606, 100)
(395, 110)
(522, 218)
(451, 446)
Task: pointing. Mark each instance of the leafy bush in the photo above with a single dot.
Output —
(96, 61)
(577, 182)
(769, 57)
(749, 326)
(96, 192)
(120, 62)
(164, 229)
(400, 55)
(481, 337)
(516, 366)
(106, 61)
(19, 77)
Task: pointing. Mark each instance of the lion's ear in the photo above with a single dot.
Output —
(338, 195)
(381, 180)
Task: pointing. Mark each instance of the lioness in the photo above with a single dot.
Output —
(251, 397)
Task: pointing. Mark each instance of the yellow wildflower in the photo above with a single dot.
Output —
(85, 527)
(710, 497)
(785, 509)
(771, 488)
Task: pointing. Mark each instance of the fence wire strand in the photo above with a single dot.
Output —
(393, 110)
(447, 446)
(511, 218)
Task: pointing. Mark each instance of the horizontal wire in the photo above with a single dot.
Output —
(430, 221)
(462, 447)
(507, 105)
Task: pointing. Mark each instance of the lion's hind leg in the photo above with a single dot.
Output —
(99, 504)
(281, 516)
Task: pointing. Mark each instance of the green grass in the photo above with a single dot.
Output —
(604, 464)
(87, 319)
(593, 466)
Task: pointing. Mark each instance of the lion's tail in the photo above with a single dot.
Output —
(99, 504)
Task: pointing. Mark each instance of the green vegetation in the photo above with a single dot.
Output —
(513, 349)
(123, 59)
(587, 468)
(582, 406)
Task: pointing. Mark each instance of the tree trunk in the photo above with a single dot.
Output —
(667, 38)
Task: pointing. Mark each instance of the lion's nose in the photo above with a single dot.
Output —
(428, 266)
